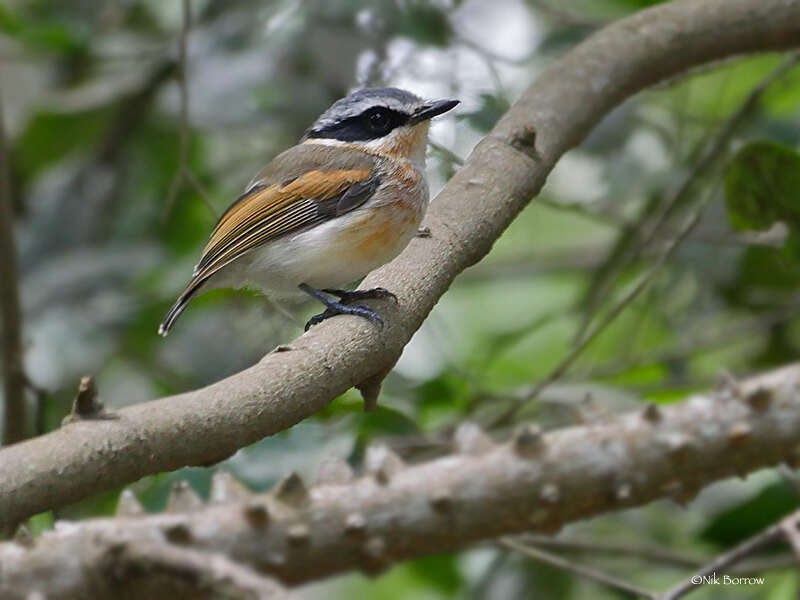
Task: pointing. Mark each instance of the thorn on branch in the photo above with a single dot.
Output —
(525, 141)
(257, 513)
(86, 404)
(375, 558)
(178, 533)
(382, 463)
(652, 413)
(355, 525)
(298, 534)
(334, 471)
(740, 433)
(470, 439)
(623, 492)
(24, 537)
(226, 488)
(678, 444)
(128, 504)
(442, 501)
(292, 491)
(728, 386)
(528, 440)
(370, 389)
(550, 493)
(759, 399)
(182, 497)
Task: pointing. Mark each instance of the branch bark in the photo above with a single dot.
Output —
(13, 368)
(396, 512)
(496, 182)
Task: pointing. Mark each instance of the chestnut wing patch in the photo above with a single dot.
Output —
(266, 212)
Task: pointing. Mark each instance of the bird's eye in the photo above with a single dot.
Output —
(378, 120)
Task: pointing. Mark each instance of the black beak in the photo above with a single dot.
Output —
(432, 109)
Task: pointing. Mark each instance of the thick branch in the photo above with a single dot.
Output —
(501, 175)
(395, 512)
(13, 369)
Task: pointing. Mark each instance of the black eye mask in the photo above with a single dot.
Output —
(372, 124)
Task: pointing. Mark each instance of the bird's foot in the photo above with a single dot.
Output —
(338, 308)
(348, 296)
(333, 308)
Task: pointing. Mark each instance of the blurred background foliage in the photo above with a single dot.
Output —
(709, 160)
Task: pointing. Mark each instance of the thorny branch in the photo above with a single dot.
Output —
(497, 180)
(481, 491)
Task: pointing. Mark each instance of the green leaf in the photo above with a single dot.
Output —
(426, 25)
(52, 136)
(492, 108)
(441, 571)
(9, 23)
(441, 399)
(49, 36)
(762, 185)
(385, 421)
(41, 522)
(776, 268)
(753, 515)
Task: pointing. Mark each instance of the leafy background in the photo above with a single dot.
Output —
(92, 106)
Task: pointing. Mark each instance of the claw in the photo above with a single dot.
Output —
(342, 308)
(336, 308)
(317, 319)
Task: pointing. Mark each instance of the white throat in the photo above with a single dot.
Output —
(403, 143)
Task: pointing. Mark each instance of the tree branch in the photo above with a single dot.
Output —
(784, 529)
(184, 172)
(481, 491)
(653, 554)
(559, 562)
(644, 233)
(496, 182)
(13, 368)
(588, 337)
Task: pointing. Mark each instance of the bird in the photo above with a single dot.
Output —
(346, 199)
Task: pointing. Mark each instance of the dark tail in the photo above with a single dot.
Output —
(180, 304)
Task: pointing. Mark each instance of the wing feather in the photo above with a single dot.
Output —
(300, 188)
(268, 212)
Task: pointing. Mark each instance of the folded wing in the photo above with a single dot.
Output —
(269, 211)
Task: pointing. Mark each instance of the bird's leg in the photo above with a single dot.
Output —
(334, 308)
(348, 296)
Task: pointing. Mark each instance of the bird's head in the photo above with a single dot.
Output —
(387, 121)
